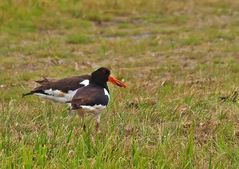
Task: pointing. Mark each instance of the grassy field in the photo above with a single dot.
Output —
(180, 60)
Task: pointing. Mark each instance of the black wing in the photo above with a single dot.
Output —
(89, 96)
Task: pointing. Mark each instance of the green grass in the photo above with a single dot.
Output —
(78, 39)
(177, 57)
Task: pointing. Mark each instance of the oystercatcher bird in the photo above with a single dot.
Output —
(61, 90)
(94, 98)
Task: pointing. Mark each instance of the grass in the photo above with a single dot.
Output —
(78, 39)
(179, 59)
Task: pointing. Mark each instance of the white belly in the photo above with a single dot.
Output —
(57, 95)
(93, 109)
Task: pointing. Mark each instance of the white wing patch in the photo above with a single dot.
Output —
(54, 98)
(85, 82)
(57, 95)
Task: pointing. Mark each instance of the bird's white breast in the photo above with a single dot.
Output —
(95, 108)
(107, 93)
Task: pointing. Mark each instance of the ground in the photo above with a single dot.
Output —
(180, 60)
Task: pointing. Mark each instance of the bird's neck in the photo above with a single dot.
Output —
(99, 84)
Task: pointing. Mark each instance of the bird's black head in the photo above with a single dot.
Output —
(100, 76)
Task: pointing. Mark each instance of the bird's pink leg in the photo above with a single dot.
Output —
(97, 122)
(81, 114)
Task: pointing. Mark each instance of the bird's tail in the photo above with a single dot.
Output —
(26, 94)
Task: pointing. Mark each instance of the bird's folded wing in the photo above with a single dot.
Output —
(82, 101)
(62, 85)
(89, 96)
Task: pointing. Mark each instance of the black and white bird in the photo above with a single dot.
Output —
(87, 94)
(94, 98)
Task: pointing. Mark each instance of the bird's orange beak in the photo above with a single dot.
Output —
(117, 82)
